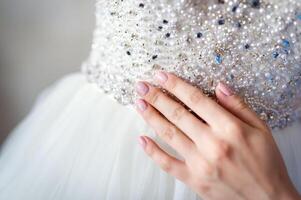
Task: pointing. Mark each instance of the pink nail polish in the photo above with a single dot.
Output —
(225, 89)
(142, 88)
(141, 105)
(142, 142)
(161, 77)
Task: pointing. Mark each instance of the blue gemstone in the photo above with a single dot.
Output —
(218, 59)
(221, 21)
(234, 8)
(275, 54)
(238, 24)
(286, 43)
(247, 46)
(285, 51)
(231, 77)
(255, 3)
(199, 35)
(299, 16)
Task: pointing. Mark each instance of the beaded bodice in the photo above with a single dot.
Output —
(252, 45)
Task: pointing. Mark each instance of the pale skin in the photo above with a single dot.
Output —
(227, 151)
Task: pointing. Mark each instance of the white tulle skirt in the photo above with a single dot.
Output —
(79, 144)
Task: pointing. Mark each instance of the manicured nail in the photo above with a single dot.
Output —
(141, 105)
(142, 88)
(225, 89)
(161, 77)
(142, 142)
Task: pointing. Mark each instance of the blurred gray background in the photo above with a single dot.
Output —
(40, 41)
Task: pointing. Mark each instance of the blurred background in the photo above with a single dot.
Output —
(40, 42)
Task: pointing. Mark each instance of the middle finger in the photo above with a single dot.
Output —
(195, 99)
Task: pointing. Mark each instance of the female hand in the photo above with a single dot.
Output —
(228, 152)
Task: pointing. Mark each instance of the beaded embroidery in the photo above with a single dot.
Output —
(252, 45)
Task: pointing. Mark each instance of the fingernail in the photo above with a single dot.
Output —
(161, 77)
(142, 88)
(142, 142)
(225, 89)
(141, 105)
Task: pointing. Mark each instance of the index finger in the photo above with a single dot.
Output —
(206, 108)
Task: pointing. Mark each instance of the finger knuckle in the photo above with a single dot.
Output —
(205, 189)
(155, 95)
(263, 125)
(166, 164)
(168, 133)
(213, 172)
(241, 104)
(172, 83)
(149, 114)
(202, 187)
(206, 171)
(236, 132)
(233, 127)
(222, 153)
(195, 96)
(178, 113)
(150, 150)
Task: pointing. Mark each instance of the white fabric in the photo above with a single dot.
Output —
(78, 144)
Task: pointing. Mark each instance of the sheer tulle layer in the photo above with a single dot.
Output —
(77, 144)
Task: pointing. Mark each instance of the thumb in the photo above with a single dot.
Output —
(237, 106)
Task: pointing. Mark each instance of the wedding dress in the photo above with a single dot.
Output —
(80, 139)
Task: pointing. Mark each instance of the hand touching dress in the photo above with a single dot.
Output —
(228, 152)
